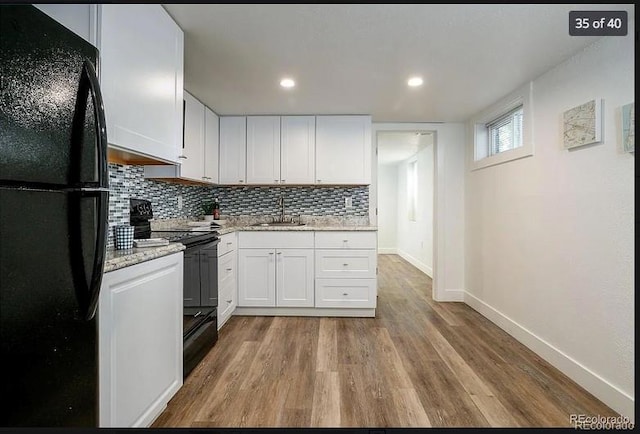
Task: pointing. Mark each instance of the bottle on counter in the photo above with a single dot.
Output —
(216, 209)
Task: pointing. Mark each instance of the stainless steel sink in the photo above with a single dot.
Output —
(279, 224)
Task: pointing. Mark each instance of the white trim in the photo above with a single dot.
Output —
(304, 311)
(450, 295)
(416, 263)
(524, 97)
(591, 381)
(387, 251)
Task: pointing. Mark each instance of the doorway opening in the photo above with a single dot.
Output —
(405, 196)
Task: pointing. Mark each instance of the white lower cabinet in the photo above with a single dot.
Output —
(227, 278)
(140, 341)
(350, 293)
(346, 276)
(275, 269)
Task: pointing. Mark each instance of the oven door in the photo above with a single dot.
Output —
(199, 341)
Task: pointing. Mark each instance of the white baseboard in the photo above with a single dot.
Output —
(306, 311)
(449, 295)
(387, 251)
(416, 263)
(592, 382)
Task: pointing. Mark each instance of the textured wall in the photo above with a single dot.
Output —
(550, 238)
(128, 181)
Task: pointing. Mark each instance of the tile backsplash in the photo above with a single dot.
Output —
(127, 181)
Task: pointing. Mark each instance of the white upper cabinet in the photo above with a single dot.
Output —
(263, 149)
(343, 149)
(141, 73)
(297, 149)
(79, 18)
(211, 146)
(199, 150)
(233, 149)
(192, 163)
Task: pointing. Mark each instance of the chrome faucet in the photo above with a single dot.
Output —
(281, 205)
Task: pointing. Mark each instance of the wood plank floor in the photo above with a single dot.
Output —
(419, 363)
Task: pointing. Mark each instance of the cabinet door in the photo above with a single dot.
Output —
(263, 149)
(141, 74)
(233, 149)
(343, 149)
(211, 146)
(294, 279)
(192, 163)
(139, 341)
(256, 277)
(298, 150)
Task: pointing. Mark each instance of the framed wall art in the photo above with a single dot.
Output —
(583, 124)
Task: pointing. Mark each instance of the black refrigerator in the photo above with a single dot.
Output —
(53, 221)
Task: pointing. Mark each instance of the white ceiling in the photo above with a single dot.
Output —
(356, 58)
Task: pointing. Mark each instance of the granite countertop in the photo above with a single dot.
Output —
(117, 259)
(307, 227)
(248, 223)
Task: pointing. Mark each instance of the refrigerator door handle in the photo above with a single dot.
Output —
(101, 126)
(89, 85)
(88, 290)
(99, 255)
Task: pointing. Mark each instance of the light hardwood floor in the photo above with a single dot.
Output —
(419, 363)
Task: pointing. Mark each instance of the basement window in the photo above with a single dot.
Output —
(505, 133)
(502, 132)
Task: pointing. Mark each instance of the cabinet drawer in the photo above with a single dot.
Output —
(347, 293)
(275, 240)
(226, 269)
(345, 240)
(228, 243)
(346, 263)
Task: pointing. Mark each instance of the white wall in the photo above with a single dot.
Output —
(387, 208)
(550, 238)
(415, 238)
(448, 260)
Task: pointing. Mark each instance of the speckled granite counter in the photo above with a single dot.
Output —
(229, 229)
(117, 259)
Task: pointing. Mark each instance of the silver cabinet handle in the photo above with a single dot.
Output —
(319, 180)
(229, 301)
(229, 269)
(345, 293)
(275, 180)
(279, 253)
(183, 157)
(271, 253)
(241, 180)
(282, 180)
(346, 265)
(229, 243)
(206, 177)
(345, 241)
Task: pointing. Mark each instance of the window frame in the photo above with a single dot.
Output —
(481, 155)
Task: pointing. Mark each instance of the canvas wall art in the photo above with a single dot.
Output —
(583, 124)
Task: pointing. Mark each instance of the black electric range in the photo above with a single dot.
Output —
(200, 280)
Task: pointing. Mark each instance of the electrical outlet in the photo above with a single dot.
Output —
(348, 202)
(180, 202)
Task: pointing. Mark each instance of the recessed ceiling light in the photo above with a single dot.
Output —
(287, 83)
(415, 81)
